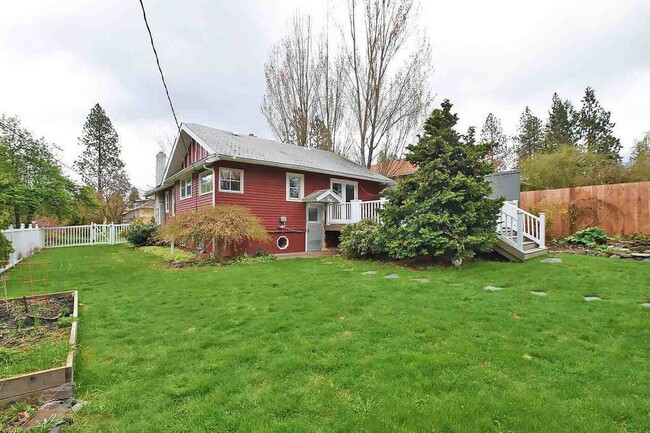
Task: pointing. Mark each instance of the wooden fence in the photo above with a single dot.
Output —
(622, 208)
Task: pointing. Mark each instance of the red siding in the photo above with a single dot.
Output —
(194, 153)
(265, 195)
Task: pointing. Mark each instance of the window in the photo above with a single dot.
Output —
(282, 242)
(295, 186)
(312, 214)
(186, 187)
(346, 189)
(166, 201)
(231, 180)
(206, 182)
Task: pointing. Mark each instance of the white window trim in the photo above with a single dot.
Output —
(241, 182)
(201, 175)
(166, 199)
(344, 182)
(302, 186)
(183, 187)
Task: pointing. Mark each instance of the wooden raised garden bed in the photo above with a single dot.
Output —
(52, 383)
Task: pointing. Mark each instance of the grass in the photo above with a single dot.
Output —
(166, 254)
(49, 352)
(312, 345)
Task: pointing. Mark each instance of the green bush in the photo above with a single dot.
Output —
(589, 237)
(5, 248)
(141, 233)
(361, 239)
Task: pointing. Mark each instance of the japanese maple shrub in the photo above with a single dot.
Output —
(443, 209)
(226, 227)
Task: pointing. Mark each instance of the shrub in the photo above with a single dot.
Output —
(226, 226)
(5, 249)
(141, 233)
(361, 239)
(589, 237)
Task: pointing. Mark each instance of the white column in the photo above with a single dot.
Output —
(355, 210)
(542, 229)
(520, 230)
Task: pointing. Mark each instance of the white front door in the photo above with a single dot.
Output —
(315, 228)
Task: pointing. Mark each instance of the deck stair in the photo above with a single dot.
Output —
(521, 235)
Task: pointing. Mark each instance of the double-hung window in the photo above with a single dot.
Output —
(206, 182)
(186, 187)
(167, 201)
(231, 180)
(295, 186)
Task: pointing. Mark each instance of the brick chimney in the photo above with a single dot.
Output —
(161, 161)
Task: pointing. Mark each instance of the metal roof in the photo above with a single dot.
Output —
(248, 148)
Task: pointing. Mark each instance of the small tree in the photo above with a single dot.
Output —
(595, 128)
(493, 137)
(560, 128)
(530, 137)
(225, 226)
(444, 208)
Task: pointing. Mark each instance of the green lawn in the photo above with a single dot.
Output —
(312, 345)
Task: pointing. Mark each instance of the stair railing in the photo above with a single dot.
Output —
(515, 225)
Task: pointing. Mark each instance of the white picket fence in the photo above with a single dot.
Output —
(27, 240)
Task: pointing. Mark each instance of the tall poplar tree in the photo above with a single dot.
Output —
(560, 127)
(595, 128)
(100, 164)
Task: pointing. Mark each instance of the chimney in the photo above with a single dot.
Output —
(161, 161)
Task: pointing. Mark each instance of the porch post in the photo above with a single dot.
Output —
(355, 210)
(542, 229)
(520, 230)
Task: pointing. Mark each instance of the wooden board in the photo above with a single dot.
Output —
(622, 208)
(24, 386)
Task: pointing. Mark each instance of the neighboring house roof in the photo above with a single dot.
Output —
(141, 204)
(224, 145)
(394, 169)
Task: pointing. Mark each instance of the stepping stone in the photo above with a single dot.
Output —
(538, 293)
(370, 273)
(391, 276)
(552, 260)
(646, 304)
(592, 298)
(420, 280)
(492, 288)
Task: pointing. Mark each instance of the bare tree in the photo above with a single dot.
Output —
(388, 63)
(292, 80)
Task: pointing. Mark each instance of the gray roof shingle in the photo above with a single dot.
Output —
(229, 145)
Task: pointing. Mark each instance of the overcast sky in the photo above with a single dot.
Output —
(59, 58)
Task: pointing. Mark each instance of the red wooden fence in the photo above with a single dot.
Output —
(622, 208)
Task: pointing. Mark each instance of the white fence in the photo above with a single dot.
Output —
(92, 234)
(27, 240)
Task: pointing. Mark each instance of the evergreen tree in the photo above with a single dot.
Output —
(134, 195)
(443, 209)
(560, 127)
(493, 136)
(639, 167)
(99, 164)
(530, 137)
(595, 128)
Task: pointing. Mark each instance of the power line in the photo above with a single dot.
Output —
(162, 76)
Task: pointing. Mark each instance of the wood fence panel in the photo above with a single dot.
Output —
(618, 209)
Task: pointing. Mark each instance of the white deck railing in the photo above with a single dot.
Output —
(353, 211)
(515, 225)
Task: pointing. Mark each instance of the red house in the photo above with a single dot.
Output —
(302, 196)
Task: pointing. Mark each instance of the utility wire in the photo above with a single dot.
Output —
(162, 76)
